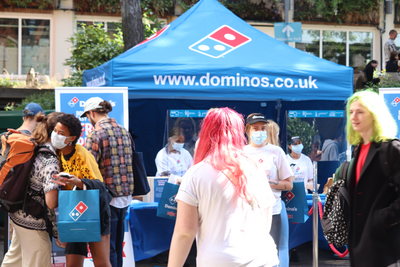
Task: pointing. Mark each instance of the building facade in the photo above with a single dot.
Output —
(37, 38)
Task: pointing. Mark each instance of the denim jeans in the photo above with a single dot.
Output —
(117, 235)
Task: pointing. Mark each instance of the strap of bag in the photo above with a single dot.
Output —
(386, 167)
(344, 170)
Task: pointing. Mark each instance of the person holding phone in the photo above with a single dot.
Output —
(79, 163)
(30, 244)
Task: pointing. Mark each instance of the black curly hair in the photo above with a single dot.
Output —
(73, 124)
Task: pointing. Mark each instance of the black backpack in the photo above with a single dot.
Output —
(337, 201)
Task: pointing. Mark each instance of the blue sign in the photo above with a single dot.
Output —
(392, 101)
(316, 113)
(288, 32)
(72, 100)
(187, 113)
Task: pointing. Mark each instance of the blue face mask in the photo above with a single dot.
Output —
(177, 146)
(297, 148)
(259, 137)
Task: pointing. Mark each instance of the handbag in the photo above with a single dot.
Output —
(141, 184)
(79, 215)
(296, 203)
(168, 205)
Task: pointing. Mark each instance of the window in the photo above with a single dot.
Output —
(349, 48)
(310, 42)
(36, 46)
(360, 49)
(334, 46)
(31, 38)
(109, 27)
(9, 45)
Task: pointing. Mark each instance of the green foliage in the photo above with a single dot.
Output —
(338, 11)
(45, 99)
(254, 11)
(8, 83)
(92, 46)
(41, 4)
(386, 82)
(246, 10)
(75, 80)
(298, 127)
(102, 6)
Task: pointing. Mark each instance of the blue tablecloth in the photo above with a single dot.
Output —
(151, 235)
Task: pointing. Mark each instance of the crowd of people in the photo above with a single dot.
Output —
(231, 177)
(105, 163)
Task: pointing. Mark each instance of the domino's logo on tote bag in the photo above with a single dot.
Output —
(79, 216)
(168, 205)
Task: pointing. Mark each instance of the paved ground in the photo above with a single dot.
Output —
(325, 259)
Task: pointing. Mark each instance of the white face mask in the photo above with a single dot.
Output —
(259, 137)
(177, 146)
(58, 141)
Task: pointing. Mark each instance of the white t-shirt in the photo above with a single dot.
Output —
(230, 232)
(272, 159)
(176, 163)
(302, 168)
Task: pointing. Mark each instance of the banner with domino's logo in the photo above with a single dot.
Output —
(72, 100)
(391, 96)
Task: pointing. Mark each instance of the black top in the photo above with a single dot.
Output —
(392, 66)
(369, 72)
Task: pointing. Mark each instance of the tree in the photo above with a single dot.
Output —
(132, 25)
(91, 47)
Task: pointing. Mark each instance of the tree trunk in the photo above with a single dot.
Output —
(132, 25)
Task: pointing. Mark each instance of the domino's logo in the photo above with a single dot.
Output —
(288, 197)
(395, 102)
(77, 212)
(220, 42)
(73, 102)
(172, 200)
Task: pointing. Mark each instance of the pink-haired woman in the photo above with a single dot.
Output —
(224, 200)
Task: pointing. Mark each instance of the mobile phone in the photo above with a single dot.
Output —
(58, 180)
(64, 175)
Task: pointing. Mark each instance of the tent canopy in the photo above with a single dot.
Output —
(210, 53)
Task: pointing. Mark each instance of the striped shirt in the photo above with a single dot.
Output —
(110, 144)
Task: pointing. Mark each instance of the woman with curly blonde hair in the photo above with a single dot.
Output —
(374, 213)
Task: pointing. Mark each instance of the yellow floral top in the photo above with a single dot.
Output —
(82, 164)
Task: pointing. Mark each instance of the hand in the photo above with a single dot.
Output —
(73, 180)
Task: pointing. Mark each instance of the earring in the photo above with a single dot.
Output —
(70, 143)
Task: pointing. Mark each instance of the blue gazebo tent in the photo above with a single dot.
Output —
(208, 57)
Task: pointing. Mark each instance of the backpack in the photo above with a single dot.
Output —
(17, 155)
(337, 200)
(333, 221)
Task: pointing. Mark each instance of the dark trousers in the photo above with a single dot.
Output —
(117, 235)
(276, 228)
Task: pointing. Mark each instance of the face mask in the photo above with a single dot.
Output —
(177, 146)
(259, 137)
(58, 140)
(297, 148)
